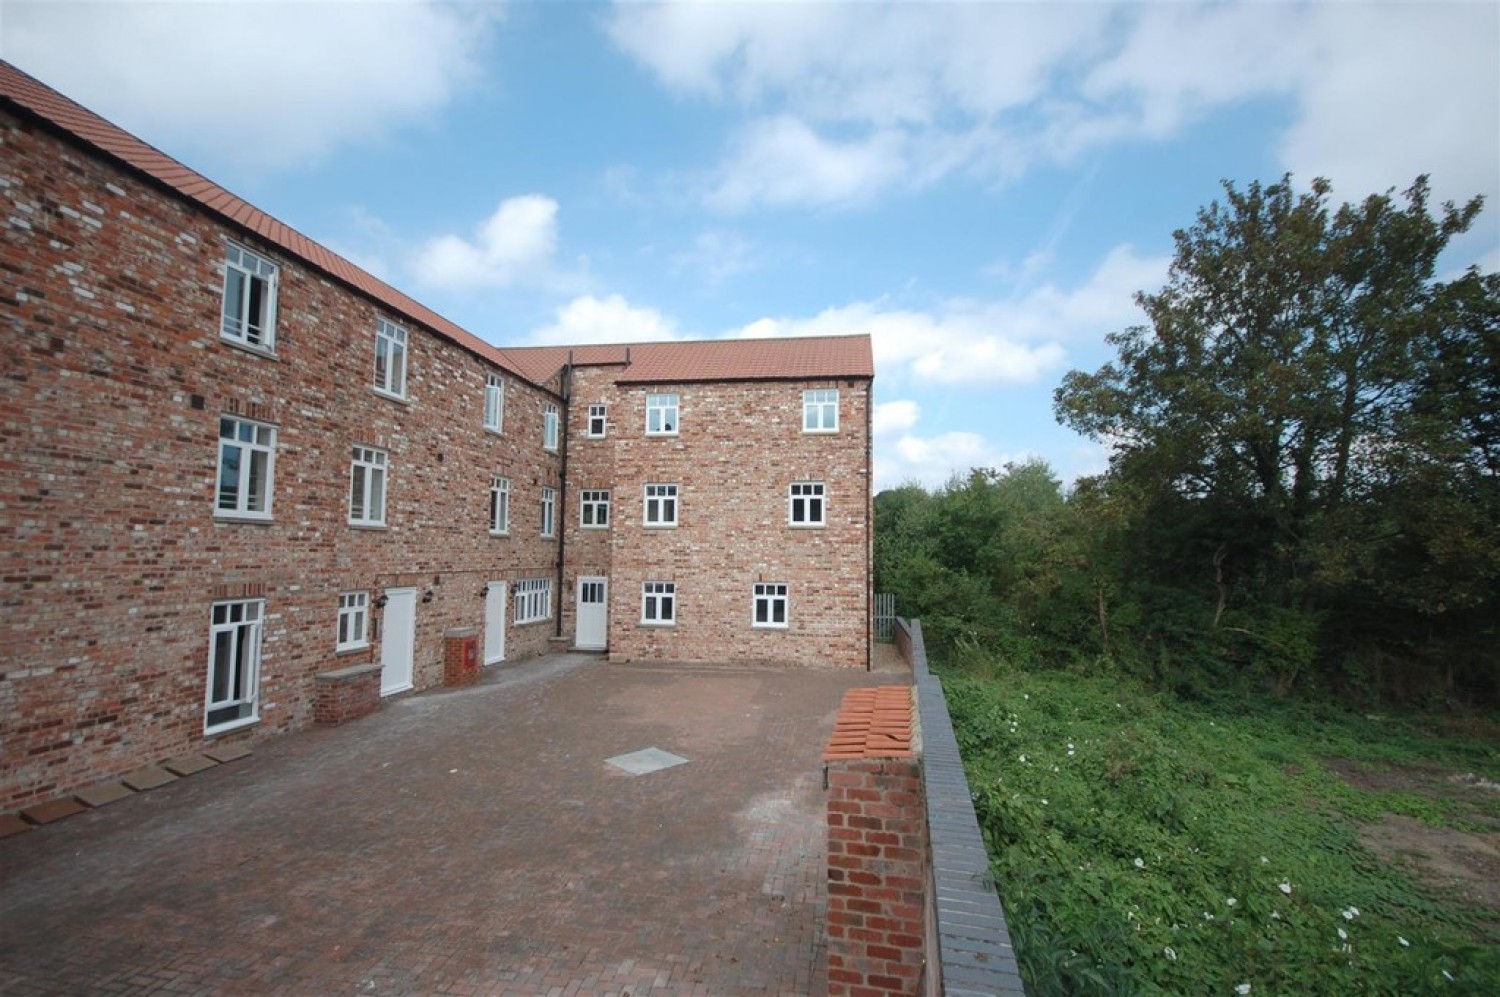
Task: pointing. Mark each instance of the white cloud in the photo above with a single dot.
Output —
(717, 256)
(895, 417)
(612, 319)
(932, 460)
(782, 162)
(846, 101)
(515, 243)
(252, 86)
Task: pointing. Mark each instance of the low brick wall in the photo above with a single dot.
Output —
(347, 694)
(968, 942)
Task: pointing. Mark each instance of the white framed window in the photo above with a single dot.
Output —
(549, 427)
(247, 466)
(593, 509)
(549, 511)
(661, 505)
(533, 600)
(367, 474)
(233, 665)
(661, 415)
(598, 421)
(659, 603)
(494, 402)
(354, 621)
(820, 411)
(500, 506)
(806, 500)
(770, 605)
(249, 313)
(390, 359)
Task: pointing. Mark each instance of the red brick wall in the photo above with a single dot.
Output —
(877, 848)
(347, 694)
(739, 449)
(115, 378)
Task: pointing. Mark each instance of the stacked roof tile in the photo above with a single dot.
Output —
(873, 723)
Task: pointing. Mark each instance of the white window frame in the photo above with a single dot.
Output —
(804, 498)
(234, 684)
(658, 498)
(659, 604)
(593, 509)
(533, 600)
(494, 403)
(259, 448)
(354, 622)
(550, 427)
(499, 506)
(770, 595)
(818, 404)
(392, 351)
(598, 427)
(663, 415)
(235, 321)
(369, 471)
(549, 512)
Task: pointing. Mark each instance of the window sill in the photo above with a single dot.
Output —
(662, 436)
(820, 432)
(342, 652)
(495, 430)
(595, 436)
(367, 526)
(807, 526)
(597, 529)
(551, 450)
(783, 627)
(259, 351)
(391, 396)
(229, 728)
(499, 533)
(658, 625)
(659, 526)
(532, 623)
(240, 517)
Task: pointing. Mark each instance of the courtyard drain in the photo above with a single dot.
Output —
(646, 760)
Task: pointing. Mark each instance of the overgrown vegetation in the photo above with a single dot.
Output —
(1153, 673)
(1304, 492)
(1148, 845)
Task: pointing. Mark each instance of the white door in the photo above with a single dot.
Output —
(593, 613)
(398, 640)
(494, 623)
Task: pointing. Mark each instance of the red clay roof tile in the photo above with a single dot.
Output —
(804, 358)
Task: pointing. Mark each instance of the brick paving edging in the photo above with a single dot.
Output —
(974, 954)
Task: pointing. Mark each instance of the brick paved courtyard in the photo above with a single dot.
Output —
(461, 842)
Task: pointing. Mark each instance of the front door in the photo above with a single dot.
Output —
(494, 623)
(593, 613)
(398, 641)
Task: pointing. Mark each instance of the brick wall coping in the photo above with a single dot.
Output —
(873, 723)
(339, 674)
(974, 951)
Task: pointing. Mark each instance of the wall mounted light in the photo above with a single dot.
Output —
(380, 603)
(427, 596)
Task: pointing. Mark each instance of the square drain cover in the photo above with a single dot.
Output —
(646, 760)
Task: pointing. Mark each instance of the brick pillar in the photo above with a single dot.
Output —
(877, 847)
(461, 656)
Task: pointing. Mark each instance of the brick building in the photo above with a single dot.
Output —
(231, 462)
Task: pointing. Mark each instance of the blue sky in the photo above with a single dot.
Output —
(980, 186)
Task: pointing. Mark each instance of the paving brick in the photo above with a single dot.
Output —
(150, 777)
(354, 859)
(188, 764)
(102, 794)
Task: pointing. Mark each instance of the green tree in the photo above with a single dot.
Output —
(1300, 367)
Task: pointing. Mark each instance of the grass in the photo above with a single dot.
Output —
(1144, 845)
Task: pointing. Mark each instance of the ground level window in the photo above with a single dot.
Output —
(354, 621)
(659, 602)
(593, 509)
(233, 664)
(770, 604)
(533, 600)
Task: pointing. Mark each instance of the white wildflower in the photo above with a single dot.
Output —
(1447, 976)
(1140, 863)
(1171, 953)
(1276, 915)
(1023, 759)
(1044, 801)
(1242, 989)
(1343, 935)
(1350, 913)
(1285, 888)
(1264, 860)
(1404, 943)
(1230, 902)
